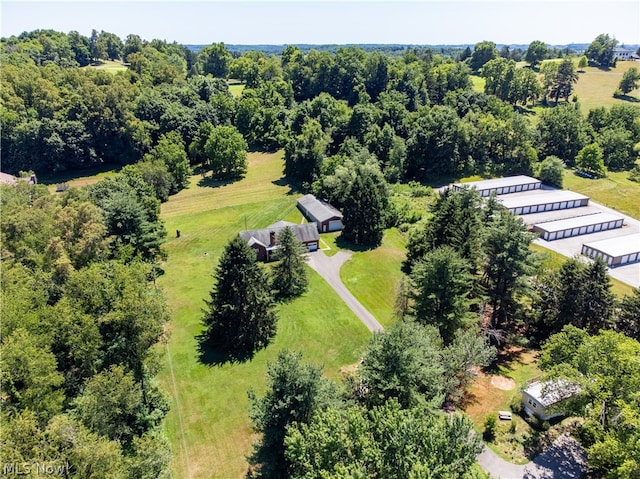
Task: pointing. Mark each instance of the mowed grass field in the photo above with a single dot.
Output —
(595, 87)
(615, 191)
(208, 424)
(110, 66)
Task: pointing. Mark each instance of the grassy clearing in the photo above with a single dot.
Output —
(485, 398)
(109, 65)
(374, 276)
(615, 191)
(595, 87)
(88, 177)
(236, 89)
(208, 424)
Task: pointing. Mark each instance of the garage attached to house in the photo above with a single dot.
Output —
(265, 241)
(548, 200)
(501, 186)
(615, 251)
(581, 225)
(325, 216)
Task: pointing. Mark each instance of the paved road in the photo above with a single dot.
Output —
(564, 459)
(329, 268)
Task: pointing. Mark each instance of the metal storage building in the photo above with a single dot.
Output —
(325, 216)
(581, 225)
(615, 251)
(501, 186)
(543, 201)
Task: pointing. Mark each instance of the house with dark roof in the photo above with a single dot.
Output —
(265, 241)
(325, 216)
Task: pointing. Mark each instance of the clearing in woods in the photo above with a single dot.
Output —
(208, 424)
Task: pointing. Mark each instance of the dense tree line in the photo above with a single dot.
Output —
(80, 317)
(417, 113)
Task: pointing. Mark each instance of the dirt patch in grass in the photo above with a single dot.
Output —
(500, 382)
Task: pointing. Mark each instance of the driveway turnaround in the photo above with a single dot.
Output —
(329, 268)
(564, 459)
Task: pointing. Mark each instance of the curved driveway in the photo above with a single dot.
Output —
(329, 268)
(564, 459)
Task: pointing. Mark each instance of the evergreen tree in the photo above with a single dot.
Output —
(440, 287)
(578, 295)
(628, 320)
(599, 300)
(508, 261)
(457, 221)
(240, 318)
(289, 276)
(363, 212)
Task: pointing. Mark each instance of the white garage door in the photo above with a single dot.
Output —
(335, 225)
(313, 247)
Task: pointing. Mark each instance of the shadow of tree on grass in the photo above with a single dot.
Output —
(211, 354)
(213, 182)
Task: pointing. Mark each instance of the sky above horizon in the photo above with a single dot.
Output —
(416, 22)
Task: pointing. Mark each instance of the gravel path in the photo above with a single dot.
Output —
(329, 268)
(564, 459)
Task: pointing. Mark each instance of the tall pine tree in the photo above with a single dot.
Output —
(289, 276)
(363, 212)
(240, 318)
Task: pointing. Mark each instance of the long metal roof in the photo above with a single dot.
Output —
(498, 182)
(539, 197)
(318, 210)
(577, 222)
(618, 246)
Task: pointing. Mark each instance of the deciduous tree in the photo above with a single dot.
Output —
(386, 441)
(630, 80)
(295, 393)
(226, 152)
(600, 51)
(536, 52)
(402, 363)
(590, 160)
(550, 171)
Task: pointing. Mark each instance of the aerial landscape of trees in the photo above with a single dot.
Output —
(370, 131)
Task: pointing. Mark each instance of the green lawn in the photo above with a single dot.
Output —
(615, 191)
(374, 276)
(208, 425)
(236, 89)
(110, 66)
(595, 87)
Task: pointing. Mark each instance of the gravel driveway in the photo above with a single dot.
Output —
(329, 268)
